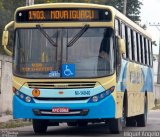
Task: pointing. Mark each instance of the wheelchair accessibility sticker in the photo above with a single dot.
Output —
(68, 70)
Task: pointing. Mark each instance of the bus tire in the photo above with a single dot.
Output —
(115, 126)
(39, 126)
(142, 119)
(131, 122)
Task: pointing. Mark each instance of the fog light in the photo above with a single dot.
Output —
(28, 99)
(21, 96)
(95, 98)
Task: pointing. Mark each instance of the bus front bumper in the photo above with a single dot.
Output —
(103, 109)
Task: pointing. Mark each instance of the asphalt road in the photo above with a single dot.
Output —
(98, 130)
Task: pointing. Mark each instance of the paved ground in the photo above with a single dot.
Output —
(99, 130)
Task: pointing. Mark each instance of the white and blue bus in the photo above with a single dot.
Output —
(79, 63)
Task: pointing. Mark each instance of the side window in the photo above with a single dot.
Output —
(135, 45)
(147, 54)
(145, 51)
(142, 49)
(129, 43)
(124, 37)
(151, 53)
(132, 45)
(138, 48)
(117, 27)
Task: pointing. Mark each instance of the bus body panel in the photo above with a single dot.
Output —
(136, 80)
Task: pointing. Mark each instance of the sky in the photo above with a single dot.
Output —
(150, 14)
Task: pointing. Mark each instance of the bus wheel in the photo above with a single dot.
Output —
(115, 125)
(130, 122)
(142, 119)
(72, 123)
(39, 126)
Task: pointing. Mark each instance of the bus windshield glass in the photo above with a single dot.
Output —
(91, 54)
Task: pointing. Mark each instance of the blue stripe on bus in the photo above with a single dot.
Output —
(148, 79)
(103, 109)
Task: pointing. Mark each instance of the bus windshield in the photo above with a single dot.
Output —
(35, 56)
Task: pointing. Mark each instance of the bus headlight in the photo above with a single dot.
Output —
(95, 98)
(102, 95)
(28, 99)
(24, 97)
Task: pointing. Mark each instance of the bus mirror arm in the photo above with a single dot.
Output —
(121, 44)
(5, 37)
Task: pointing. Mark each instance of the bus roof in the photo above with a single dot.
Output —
(115, 12)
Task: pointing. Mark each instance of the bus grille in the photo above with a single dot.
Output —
(61, 85)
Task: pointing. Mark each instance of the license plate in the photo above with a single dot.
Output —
(60, 110)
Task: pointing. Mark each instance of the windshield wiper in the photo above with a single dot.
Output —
(46, 35)
(78, 35)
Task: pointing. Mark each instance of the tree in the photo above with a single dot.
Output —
(7, 9)
(133, 8)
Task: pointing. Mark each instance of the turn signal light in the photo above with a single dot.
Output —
(112, 89)
(14, 89)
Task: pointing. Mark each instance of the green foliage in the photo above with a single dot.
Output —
(133, 8)
(7, 9)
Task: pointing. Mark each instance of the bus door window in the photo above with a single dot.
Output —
(117, 27)
(118, 56)
(124, 37)
(105, 51)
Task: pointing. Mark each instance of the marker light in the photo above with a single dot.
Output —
(28, 99)
(35, 92)
(95, 98)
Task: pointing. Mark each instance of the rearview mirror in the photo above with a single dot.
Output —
(5, 38)
(121, 44)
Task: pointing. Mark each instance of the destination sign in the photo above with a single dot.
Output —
(42, 15)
